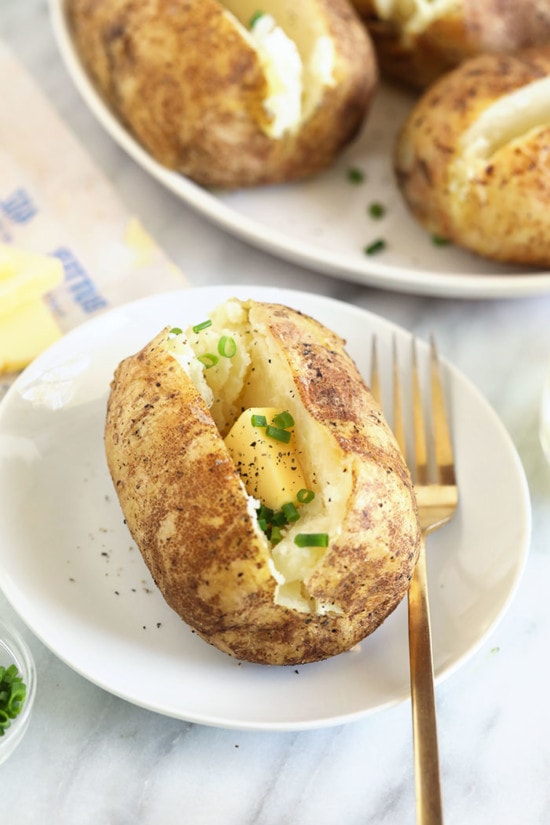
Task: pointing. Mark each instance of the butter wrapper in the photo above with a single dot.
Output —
(55, 201)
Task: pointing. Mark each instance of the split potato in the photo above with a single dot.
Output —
(224, 94)
(472, 159)
(418, 40)
(262, 485)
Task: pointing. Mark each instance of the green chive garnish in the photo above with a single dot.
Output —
(290, 511)
(276, 535)
(12, 695)
(279, 519)
(176, 331)
(375, 247)
(208, 360)
(254, 19)
(311, 540)
(305, 496)
(258, 420)
(283, 420)
(202, 325)
(265, 513)
(278, 434)
(438, 240)
(227, 346)
(356, 175)
(376, 210)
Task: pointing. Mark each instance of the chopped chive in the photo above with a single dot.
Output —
(275, 535)
(12, 695)
(202, 325)
(283, 420)
(305, 496)
(176, 331)
(290, 511)
(375, 247)
(377, 210)
(208, 360)
(258, 420)
(311, 540)
(227, 346)
(355, 175)
(262, 523)
(438, 240)
(279, 519)
(254, 19)
(265, 513)
(278, 434)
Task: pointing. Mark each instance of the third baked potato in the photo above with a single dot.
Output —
(418, 40)
(228, 96)
(473, 158)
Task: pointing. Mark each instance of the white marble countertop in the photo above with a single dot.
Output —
(90, 757)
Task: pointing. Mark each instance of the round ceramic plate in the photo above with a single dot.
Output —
(324, 223)
(70, 569)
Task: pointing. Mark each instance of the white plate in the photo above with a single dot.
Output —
(324, 224)
(71, 571)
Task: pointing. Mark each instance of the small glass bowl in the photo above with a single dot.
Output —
(14, 650)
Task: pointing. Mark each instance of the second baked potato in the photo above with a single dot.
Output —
(228, 96)
(473, 158)
(418, 40)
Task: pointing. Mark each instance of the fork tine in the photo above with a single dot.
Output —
(419, 424)
(443, 447)
(398, 416)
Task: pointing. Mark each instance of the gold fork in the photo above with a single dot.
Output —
(437, 497)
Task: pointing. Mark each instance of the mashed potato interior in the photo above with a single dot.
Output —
(258, 376)
(297, 55)
(510, 117)
(413, 16)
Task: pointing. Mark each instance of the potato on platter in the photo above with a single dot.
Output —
(473, 158)
(418, 40)
(262, 485)
(231, 93)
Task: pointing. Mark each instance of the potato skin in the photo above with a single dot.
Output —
(191, 89)
(467, 29)
(186, 507)
(500, 210)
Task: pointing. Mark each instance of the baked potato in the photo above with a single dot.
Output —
(260, 481)
(418, 40)
(225, 95)
(472, 159)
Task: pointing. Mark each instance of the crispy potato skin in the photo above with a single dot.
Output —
(501, 211)
(191, 89)
(186, 507)
(469, 28)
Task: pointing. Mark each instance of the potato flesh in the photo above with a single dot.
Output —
(258, 376)
(510, 117)
(307, 29)
(414, 16)
(270, 469)
(282, 67)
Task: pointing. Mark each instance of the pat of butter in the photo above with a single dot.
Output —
(270, 469)
(25, 276)
(25, 333)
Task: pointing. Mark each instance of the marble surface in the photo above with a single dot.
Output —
(90, 757)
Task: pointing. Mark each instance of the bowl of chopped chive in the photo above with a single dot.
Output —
(17, 688)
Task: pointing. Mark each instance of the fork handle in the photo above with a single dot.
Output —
(429, 810)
